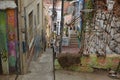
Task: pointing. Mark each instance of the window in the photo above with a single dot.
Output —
(38, 13)
(30, 29)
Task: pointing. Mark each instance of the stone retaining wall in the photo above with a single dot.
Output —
(105, 35)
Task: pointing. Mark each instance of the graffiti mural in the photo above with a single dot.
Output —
(4, 55)
(3, 43)
(11, 38)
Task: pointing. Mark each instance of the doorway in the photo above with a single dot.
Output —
(0, 66)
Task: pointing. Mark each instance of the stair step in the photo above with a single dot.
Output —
(73, 46)
(73, 40)
(73, 36)
(73, 43)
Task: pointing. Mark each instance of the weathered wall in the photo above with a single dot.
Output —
(25, 7)
(105, 38)
(3, 44)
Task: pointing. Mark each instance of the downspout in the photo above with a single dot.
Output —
(62, 25)
(53, 19)
(42, 31)
(81, 21)
(82, 28)
(18, 70)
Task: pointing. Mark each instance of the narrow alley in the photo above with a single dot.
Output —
(59, 39)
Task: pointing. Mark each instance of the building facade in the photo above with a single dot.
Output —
(8, 37)
(30, 19)
(22, 25)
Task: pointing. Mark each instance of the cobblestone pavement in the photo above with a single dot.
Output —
(42, 69)
(7, 77)
(70, 75)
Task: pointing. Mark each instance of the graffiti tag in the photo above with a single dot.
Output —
(3, 54)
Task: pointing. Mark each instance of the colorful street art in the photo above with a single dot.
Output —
(3, 43)
(11, 38)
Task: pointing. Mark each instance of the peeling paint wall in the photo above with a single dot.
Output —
(3, 43)
(12, 38)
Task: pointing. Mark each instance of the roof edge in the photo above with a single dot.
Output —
(7, 4)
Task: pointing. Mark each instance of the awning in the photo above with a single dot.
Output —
(7, 4)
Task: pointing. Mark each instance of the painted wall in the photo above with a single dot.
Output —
(8, 40)
(3, 43)
(12, 38)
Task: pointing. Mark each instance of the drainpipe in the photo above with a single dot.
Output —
(18, 70)
(62, 25)
(53, 19)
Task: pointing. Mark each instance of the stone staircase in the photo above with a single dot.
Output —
(73, 45)
(73, 41)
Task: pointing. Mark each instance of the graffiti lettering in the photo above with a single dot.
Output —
(3, 54)
(11, 18)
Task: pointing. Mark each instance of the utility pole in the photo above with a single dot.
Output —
(53, 20)
(61, 27)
